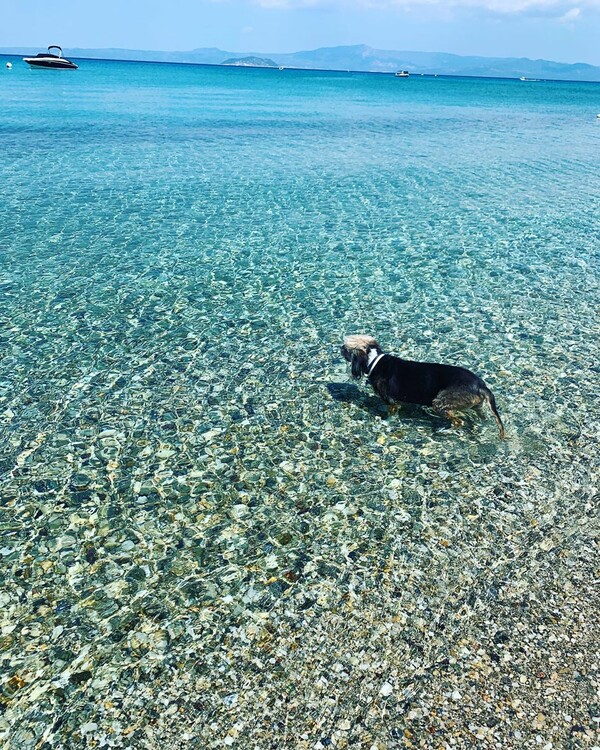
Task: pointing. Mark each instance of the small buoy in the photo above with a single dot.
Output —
(9, 66)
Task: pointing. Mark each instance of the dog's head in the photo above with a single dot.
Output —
(358, 350)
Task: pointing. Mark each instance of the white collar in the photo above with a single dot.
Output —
(374, 364)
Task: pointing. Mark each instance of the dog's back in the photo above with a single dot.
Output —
(420, 382)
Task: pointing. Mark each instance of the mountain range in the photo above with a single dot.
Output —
(357, 58)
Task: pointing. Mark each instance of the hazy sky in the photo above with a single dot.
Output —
(563, 30)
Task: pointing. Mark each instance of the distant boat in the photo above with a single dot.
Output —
(9, 65)
(402, 74)
(532, 80)
(49, 60)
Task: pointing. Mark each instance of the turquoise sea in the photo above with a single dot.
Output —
(210, 536)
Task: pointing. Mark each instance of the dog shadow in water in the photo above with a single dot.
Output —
(408, 413)
(350, 393)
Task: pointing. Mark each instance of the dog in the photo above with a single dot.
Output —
(446, 388)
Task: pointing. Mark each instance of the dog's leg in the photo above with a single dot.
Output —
(448, 402)
(393, 409)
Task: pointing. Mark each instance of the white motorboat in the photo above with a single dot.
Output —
(50, 60)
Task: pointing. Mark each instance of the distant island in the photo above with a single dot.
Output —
(251, 62)
(359, 57)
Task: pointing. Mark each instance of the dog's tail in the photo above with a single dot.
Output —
(489, 397)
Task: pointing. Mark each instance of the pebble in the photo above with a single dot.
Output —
(80, 481)
(386, 689)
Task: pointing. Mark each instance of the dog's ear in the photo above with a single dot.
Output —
(358, 364)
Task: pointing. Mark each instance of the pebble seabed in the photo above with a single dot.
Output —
(211, 537)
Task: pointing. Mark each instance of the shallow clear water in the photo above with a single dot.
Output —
(182, 452)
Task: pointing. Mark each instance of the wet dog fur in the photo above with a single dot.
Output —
(446, 388)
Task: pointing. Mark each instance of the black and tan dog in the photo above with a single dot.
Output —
(446, 388)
